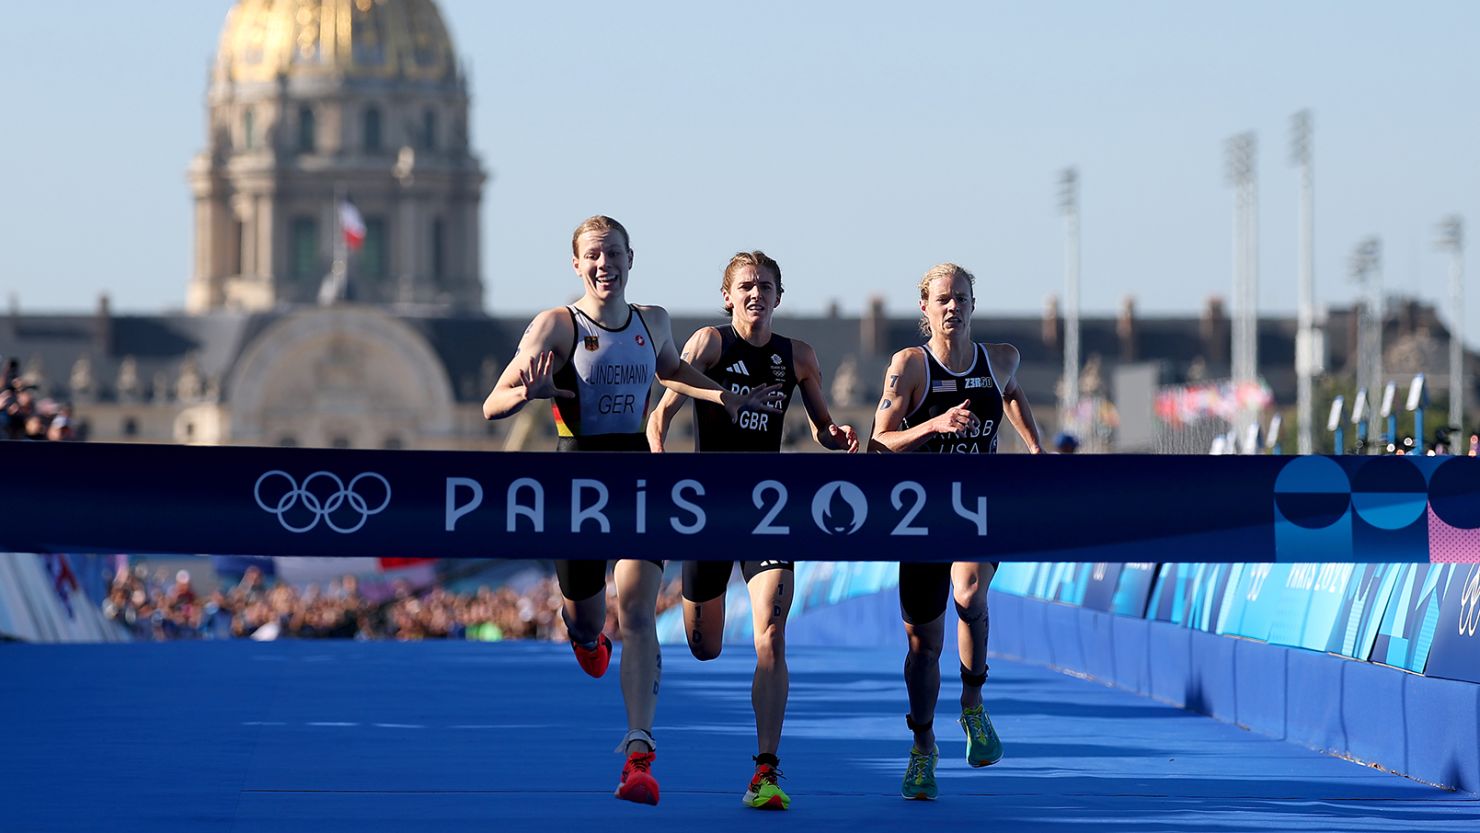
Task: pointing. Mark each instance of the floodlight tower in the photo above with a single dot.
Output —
(1452, 240)
(1366, 271)
(1308, 362)
(1241, 152)
(1069, 204)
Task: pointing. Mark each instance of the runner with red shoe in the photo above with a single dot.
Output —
(596, 360)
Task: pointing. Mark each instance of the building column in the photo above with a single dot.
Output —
(265, 272)
(409, 253)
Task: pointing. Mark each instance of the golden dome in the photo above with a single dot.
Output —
(352, 38)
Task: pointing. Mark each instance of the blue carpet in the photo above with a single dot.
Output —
(321, 736)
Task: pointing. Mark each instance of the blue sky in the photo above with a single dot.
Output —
(858, 143)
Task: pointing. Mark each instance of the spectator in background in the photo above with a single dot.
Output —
(254, 609)
(61, 429)
(23, 416)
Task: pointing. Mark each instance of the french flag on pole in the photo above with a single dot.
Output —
(352, 224)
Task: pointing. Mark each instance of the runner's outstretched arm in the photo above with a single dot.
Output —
(529, 375)
(701, 351)
(678, 375)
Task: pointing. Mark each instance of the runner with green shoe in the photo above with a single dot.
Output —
(948, 396)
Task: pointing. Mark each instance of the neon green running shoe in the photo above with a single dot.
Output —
(764, 793)
(983, 747)
(919, 776)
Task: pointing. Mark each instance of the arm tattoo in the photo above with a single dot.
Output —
(893, 381)
(886, 405)
(684, 356)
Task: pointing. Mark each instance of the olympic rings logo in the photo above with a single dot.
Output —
(1469, 603)
(322, 496)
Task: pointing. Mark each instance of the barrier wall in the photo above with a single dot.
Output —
(1421, 727)
(42, 599)
(1375, 662)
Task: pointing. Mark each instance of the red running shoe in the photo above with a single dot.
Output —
(594, 660)
(638, 784)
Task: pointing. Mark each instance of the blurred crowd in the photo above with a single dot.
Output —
(154, 608)
(25, 415)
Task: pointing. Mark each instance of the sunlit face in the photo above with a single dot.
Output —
(948, 305)
(752, 295)
(603, 261)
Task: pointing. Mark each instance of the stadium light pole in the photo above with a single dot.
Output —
(1452, 240)
(1307, 360)
(1069, 205)
(1366, 272)
(1241, 152)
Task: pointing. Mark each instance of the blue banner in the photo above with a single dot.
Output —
(1256, 601)
(1133, 589)
(1455, 652)
(1099, 590)
(1412, 616)
(1354, 627)
(1310, 602)
(876, 507)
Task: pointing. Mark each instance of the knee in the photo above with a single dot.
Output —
(924, 650)
(637, 617)
(971, 603)
(703, 652)
(770, 646)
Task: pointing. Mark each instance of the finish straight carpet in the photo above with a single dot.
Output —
(343, 736)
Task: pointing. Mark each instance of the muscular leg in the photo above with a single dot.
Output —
(923, 592)
(770, 603)
(970, 581)
(584, 617)
(638, 583)
(704, 585)
(705, 624)
(922, 677)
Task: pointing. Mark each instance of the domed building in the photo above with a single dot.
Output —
(293, 337)
(312, 103)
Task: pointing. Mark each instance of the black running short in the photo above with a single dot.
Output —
(603, 442)
(580, 580)
(924, 591)
(706, 580)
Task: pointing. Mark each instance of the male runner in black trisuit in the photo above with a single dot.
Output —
(949, 397)
(742, 355)
(595, 360)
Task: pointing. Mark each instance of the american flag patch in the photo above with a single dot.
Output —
(943, 386)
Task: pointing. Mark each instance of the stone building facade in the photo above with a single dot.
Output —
(311, 101)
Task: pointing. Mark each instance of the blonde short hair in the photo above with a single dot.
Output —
(942, 270)
(758, 260)
(600, 222)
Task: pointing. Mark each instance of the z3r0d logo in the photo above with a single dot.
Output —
(839, 508)
(322, 496)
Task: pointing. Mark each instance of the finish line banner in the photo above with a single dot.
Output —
(82, 497)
